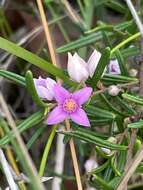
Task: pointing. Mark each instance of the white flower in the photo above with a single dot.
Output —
(78, 69)
(44, 88)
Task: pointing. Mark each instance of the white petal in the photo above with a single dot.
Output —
(50, 83)
(77, 68)
(80, 60)
(93, 61)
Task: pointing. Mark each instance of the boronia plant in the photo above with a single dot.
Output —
(92, 104)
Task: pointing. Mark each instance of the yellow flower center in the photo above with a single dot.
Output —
(69, 105)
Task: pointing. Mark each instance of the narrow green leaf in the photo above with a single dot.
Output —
(90, 138)
(35, 136)
(121, 63)
(95, 111)
(136, 125)
(133, 98)
(117, 6)
(103, 184)
(13, 77)
(115, 79)
(104, 60)
(26, 124)
(94, 37)
(34, 59)
(31, 88)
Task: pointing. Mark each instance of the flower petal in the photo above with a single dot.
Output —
(43, 93)
(79, 59)
(93, 62)
(114, 67)
(56, 116)
(60, 93)
(82, 95)
(40, 82)
(77, 68)
(80, 117)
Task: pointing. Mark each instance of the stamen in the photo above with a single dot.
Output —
(69, 105)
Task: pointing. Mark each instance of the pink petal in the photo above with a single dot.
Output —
(82, 95)
(60, 93)
(80, 117)
(57, 115)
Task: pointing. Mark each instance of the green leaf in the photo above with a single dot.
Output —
(124, 105)
(13, 77)
(117, 6)
(102, 183)
(104, 60)
(121, 63)
(26, 124)
(35, 136)
(34, 59)
(136, 125)
(31, 88)
(115, 79)
(99, 112)
(94, 37)
(91, 138)
(133, 98)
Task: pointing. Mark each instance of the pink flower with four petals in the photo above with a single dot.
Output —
(69, 106)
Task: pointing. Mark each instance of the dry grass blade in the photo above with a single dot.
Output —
(131, 169)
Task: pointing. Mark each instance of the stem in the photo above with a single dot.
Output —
(74, 159)
(131, 169)
(125, 42)
(47, 32)
(46, 151)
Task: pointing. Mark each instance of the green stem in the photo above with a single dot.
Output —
(46, 151)
(125, 42)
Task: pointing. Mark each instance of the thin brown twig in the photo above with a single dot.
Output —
(131, 169)
(130, 148)
(47, 32)
(72, 13)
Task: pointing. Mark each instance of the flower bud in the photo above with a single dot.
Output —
(77, 68)
(113, 67)
(90, 164)
(113, 90)
(133, 72)
(44, 88)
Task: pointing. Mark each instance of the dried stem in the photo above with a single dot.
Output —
(47, 32)
(73, 154)
(53, 57)
(131, 169)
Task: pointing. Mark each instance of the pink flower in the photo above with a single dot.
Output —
(114, 67)
(78, 69)
(44, 88)
(70, 106)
